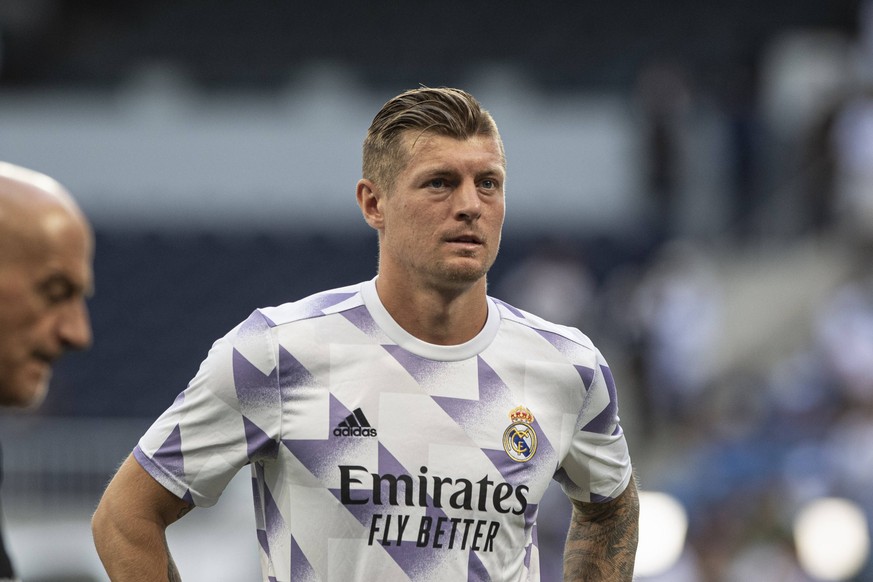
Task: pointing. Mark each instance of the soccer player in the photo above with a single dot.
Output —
(46, 248)
(406, 427)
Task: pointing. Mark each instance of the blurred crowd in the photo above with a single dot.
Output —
(743, 405)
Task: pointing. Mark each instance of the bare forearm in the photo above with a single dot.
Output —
(133, 550)
(130, 526)
(602, 540)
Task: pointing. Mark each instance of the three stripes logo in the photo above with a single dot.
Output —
(355, 425)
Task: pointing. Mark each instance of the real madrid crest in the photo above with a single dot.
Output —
(520, 439)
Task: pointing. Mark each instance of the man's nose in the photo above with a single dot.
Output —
(74, 326)
(468, 205)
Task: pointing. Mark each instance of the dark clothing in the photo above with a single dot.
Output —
(5, 564)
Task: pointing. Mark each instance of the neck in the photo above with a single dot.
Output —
(436, 315)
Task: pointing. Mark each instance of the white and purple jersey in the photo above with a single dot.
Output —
(376, 456)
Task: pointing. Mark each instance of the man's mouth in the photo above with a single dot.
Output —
(465, 239)
(47, 359)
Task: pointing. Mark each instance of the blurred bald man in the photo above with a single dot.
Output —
(46, 254)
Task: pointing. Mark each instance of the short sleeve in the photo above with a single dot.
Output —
(597, 466)
(227, 417)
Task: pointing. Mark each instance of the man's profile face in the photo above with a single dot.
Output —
(45, 275)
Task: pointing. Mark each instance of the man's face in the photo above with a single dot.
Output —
(45, 274)
(443, 218)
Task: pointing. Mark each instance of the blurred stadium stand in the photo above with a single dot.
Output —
(681, 160)
(259, 44)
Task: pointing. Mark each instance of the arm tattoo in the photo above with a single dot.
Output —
(602, 541)
(172, 571)
(184, 511)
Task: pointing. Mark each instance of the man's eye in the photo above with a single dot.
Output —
(489, 184)
(437, 183)
(56, 291)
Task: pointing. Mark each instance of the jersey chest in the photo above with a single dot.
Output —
(380, 425)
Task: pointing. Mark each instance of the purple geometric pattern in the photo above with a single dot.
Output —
(535, 542)
(492, 391)
(361, 318)
(267, 400)
(319, 304)
(476, 571)
(575, 490)
(321, 456)
(160, 473)
(169, 455)
(509, 308)
(567, 347)
(530, 523)
(259, 445)
(254, 390)
(409, 557)
(254, 326)
(301, 569)
(262, 540)
(602, 423)
(564, 480)
(313, 306)
(421, 369)
(516, 473)
(259, 509)
(587, 375)
(530, 515)
(257, 478)
(292, 374)
(276, 529)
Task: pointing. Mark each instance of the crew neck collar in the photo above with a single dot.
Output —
(412, 344)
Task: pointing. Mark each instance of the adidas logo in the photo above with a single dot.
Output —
(355, 425)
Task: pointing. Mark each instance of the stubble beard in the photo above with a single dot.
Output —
(25, 393)
(467, 273)
(454, 272)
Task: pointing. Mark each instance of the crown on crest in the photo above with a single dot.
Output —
(521, 414)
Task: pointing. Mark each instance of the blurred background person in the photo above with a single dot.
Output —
(46, 251)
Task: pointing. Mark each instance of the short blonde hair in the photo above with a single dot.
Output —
(442, 111)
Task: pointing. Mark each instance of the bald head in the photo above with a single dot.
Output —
(29, 180)
(27, 198)
(46, 253)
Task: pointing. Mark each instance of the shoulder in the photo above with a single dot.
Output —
(570, 341)
(255, 332)
(316, 305)
(514, 315)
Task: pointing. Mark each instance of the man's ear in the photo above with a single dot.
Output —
(370, 201)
